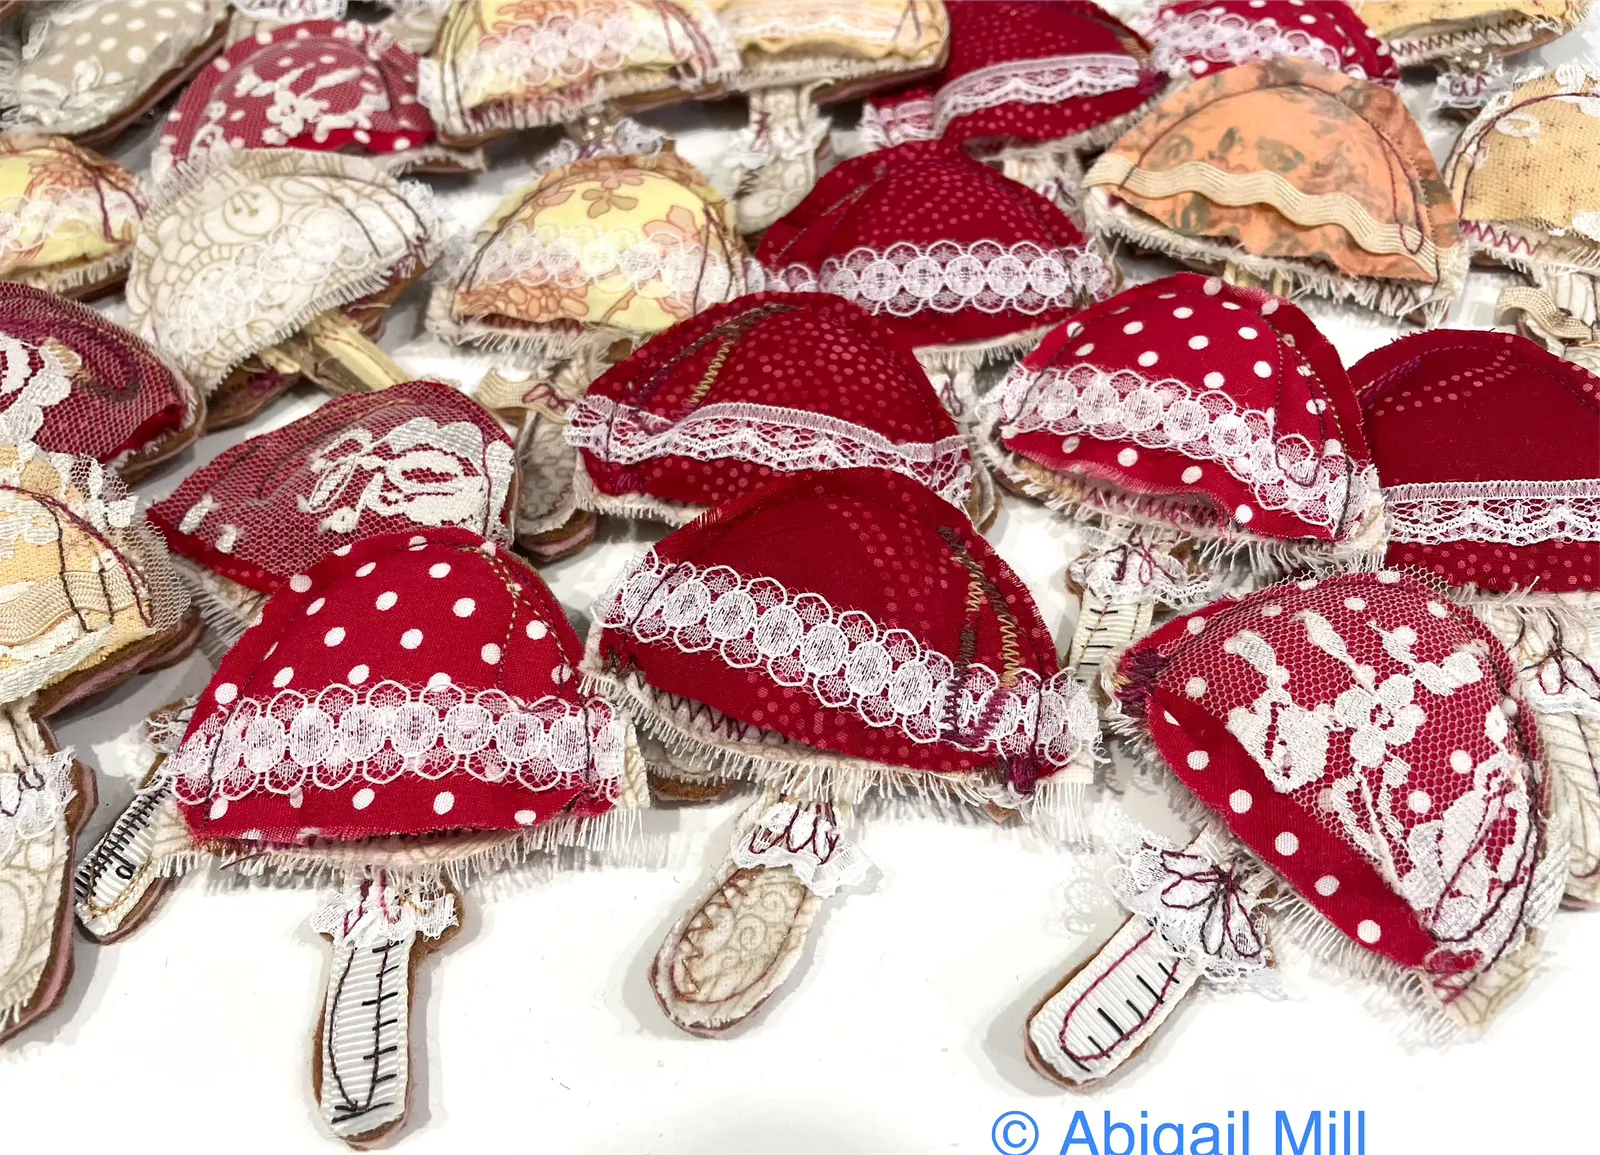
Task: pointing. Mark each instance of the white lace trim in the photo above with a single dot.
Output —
(899, 122)
(613, 260)
(1223, 37)
(848, 661)
(1205, 911)
(294, 742)
(566, 47)
(375, 912)
(1285, 471)
(1133, 570)
(906, 279)
(808, 843)
(33, 799)
(1048, 80)
(787, 440)
(624, 137)
(30, 387)
(1504, 512)
(26, 222)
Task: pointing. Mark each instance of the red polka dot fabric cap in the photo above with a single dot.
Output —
(943, 249)
(1489, 451)
(854, 613)
(754, 389)
(323, 85)
(1363, 736)
(1022, 72)
(1199, 37)
(1221, 409)
(418, 454)
(408, 684)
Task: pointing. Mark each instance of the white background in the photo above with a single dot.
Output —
(901, 1029)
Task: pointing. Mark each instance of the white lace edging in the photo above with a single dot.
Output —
(1222, 37)
(848, 661)
(1504, 512)
(906, 279)
(375, 912)
(786, 440)
(293, 742)
(1132, 569)
(1285, 471)
(33, 800)
(1047, 80)
(808, 843)
(623, 137)
(899, 122)
(26, 222)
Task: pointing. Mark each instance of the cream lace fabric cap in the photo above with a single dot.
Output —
(811, 40)
(88, 64)
(242, 251)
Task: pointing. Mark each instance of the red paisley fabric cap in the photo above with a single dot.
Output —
(418, 454)
(857, 613)
(1362, 736)
(762, 386)
(74, 382)
(1221, 408)
(1489, 451)
(941, 247)
(324, 85)
(408, 684)
(1199, 37)
(1061, 72)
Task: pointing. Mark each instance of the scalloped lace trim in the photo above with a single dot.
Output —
(848, 661)
(1048, 80)
(809, 843)
(293, 742)
(886, 125)
(568, 47)
(26, 222)
(1504, 512)
(1232, 38)
(787, 440)
(906, 279)
(1285, 471)
(376, 912)
(33, 800)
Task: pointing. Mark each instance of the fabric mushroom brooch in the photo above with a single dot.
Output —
(318, 85)
(1489, 449)
(90, 69)
(91, 600)
(1370, 786)
(257, 268)
(339, 737)
(1209, 433)
(1031, 86)
(748, 391)
(68, 218)
(1295, 176)
(829, 636)
(595, 255)
(73, 382)
(964, 264)
(415, 456)
(1199, 37)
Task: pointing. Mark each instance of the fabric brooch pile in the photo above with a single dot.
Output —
(689, 498)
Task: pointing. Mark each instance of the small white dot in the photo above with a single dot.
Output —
(1198, 759)
(1074, 329)
(438, 681)
(1195, 625)
(1133, 327)
(1286, 844)
(443, 802)
(1508, 707)
(1127, 457)
(1316, 405)
(1070, 444)
(1213, 286)
(334, 636)
(439, 569)
(1183, 312)
(227, 692)
(219, 808)
(1461, 762)
(1306, 584)
(363, 571)
(1356, 604)
(300, 583)
(1148, 358)
(1195, 687)
(490, 653)
(526, 817)
(411, 639)
(1271, 611)
(1199, 67)
(1263, 369)
(561, 674)
(1248, 333)
(1438, 609)
(342, 551)
(536, 630)
(1192, 474)
(283, 677)
(315, 606)
(362, 798)
(1084, 350)
(1214, 380)
(417, 540)
(464, 607)
(1231, 305)
(387, 599)
(1419, 801)
(1166, 716)
(1326, 885)
(358, 674)
(1369, 932)
(1240, 801)
(1269, 306)
(1243, 514)
(1199, 342)
(1389, 577)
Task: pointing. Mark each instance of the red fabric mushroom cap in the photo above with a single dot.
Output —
(1199, 37)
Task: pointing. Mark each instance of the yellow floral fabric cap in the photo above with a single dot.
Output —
(68, 218)
(1287, 169)
(505, 65)
(243, 250)
(844, 43)
(603, 248)
(1523, 173)
(88, 68)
